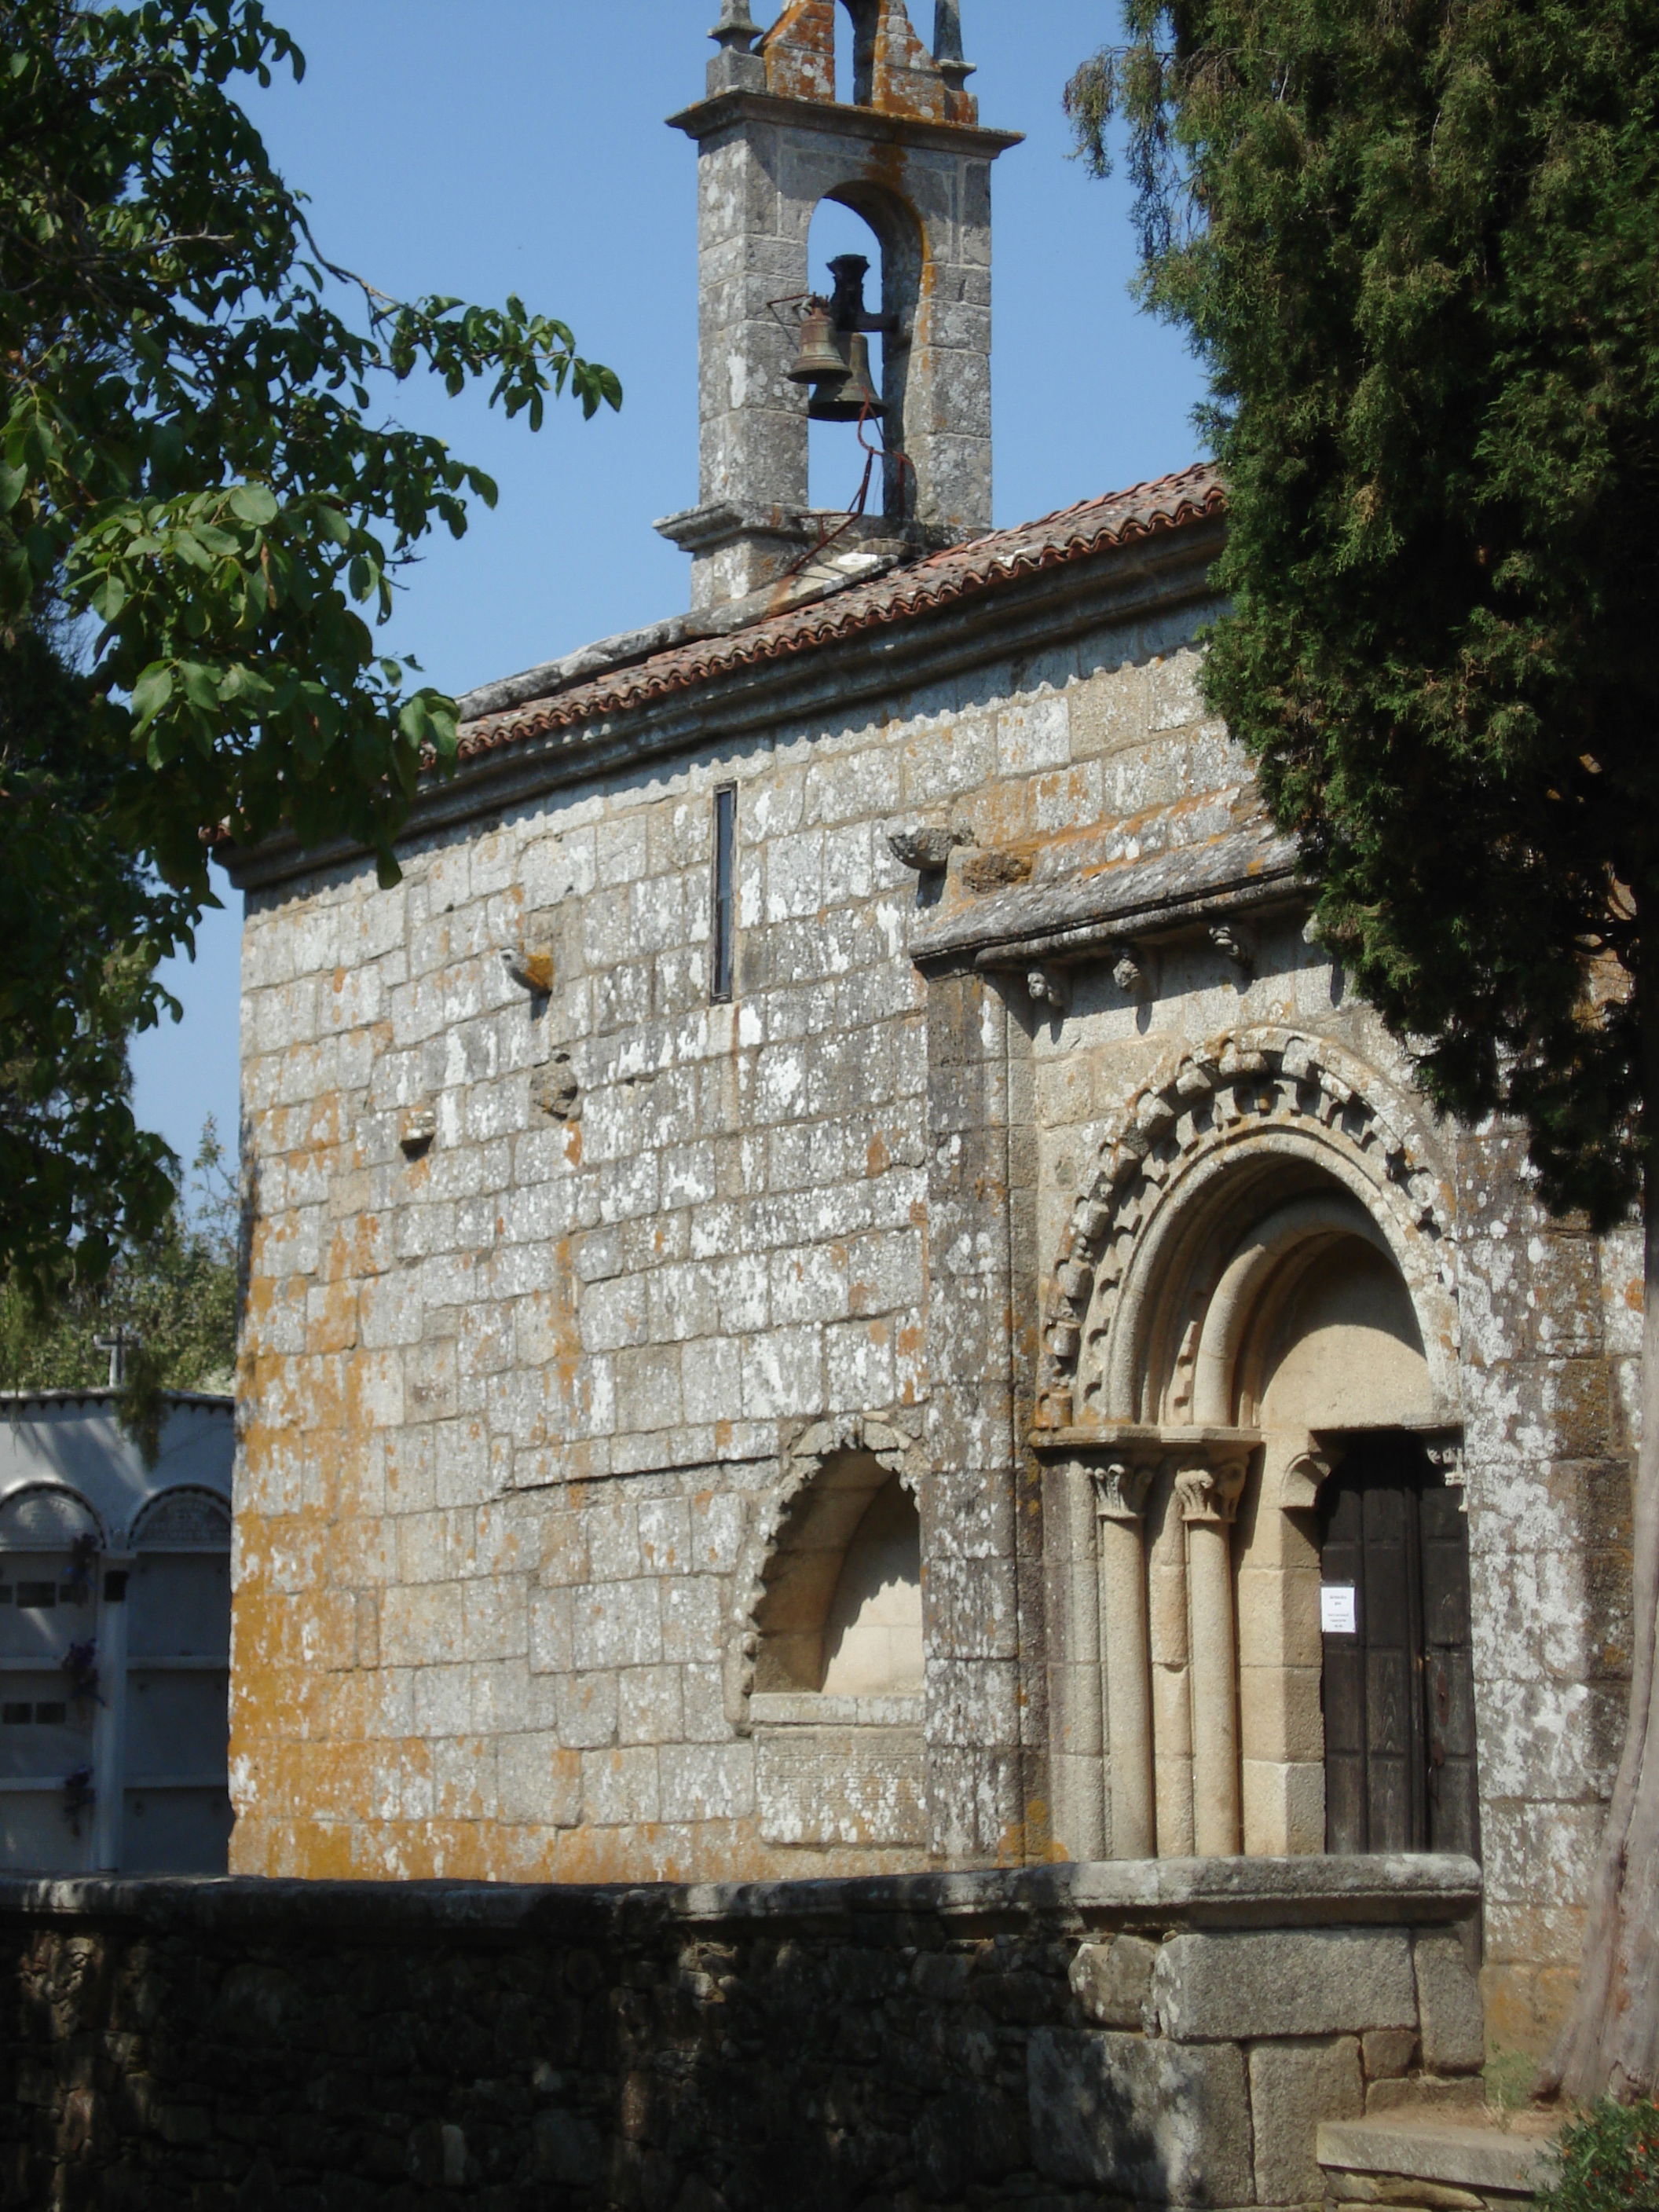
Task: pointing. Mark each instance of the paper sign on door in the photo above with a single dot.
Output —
(1337, 1613)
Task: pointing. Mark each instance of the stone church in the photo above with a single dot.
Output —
(837, 1284)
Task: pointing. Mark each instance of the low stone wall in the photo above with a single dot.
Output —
(1168, 2031)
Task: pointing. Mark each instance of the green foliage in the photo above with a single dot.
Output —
(82, 923)
(1414, 242)
(193, 468)
(1609, 2160)
(171, 1299)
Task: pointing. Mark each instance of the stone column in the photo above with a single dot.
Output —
(1120, 1501)
(1077, 1783)
(1209, 1499)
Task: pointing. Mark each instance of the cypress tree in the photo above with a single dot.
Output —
(1416, 243)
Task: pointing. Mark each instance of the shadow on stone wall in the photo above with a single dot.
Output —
(834, 2047)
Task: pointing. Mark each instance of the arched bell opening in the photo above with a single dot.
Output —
(852, 224)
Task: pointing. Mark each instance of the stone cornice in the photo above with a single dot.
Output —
(708, 118)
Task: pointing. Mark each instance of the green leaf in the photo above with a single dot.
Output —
(201, 684)
(109, 597)
(254, 503)
(151, 693)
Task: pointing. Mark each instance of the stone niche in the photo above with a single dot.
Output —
(836, 1707)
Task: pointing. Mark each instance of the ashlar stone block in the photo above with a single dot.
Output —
(1293, 2087)
(1448, 2000)
(1160, 2122)
(1276, 1982)
(1113, 1981)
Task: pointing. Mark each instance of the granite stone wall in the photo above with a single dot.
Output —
(547, 1285)
(568, 1286)
(1159, 2034)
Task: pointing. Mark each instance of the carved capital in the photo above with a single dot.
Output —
(1209, 1491)
(1121, 1488)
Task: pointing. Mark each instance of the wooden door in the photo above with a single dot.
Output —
(1398, 1689)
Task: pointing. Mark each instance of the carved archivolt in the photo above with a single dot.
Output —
(1268, 1094)
(842, 1438)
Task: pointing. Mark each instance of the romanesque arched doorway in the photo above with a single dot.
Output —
(1257, 1297)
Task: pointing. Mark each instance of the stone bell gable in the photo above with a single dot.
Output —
(904, 150)
(837, 1284)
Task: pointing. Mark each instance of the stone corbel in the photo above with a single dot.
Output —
(1049, 987)
(531, 970)
(1128, 969)
(1446, 1455)
(1236, 941)
(1301, 1479)
(926, 847)
(418, 1130)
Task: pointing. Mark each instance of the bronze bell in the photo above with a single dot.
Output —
(854, 395)
(820, 359)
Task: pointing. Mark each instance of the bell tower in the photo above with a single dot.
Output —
(901, 146)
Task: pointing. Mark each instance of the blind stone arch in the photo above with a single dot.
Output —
(795, 1550)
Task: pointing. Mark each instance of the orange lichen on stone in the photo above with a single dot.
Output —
(800, 51)
(905, 78)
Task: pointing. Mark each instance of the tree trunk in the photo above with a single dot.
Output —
(1610, 2044)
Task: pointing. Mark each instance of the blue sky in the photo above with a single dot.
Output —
(517, 145)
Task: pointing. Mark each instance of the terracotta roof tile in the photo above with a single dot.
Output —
(1072, 533)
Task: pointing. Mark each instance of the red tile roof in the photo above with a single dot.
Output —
(1074, 533)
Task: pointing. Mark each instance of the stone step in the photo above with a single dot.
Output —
(1428, 2160)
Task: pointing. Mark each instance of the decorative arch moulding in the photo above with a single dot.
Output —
(1258, 1096)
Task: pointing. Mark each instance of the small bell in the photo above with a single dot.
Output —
(821, 360)
(854, 395)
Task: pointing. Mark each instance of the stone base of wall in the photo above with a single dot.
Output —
(1171, 2032)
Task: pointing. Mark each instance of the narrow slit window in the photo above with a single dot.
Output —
(724, 916)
